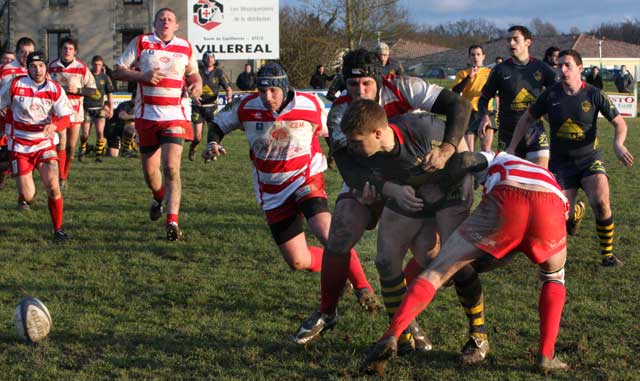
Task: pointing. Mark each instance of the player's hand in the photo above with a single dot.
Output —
(437, 158)
(195, 89)
(197, 101)
(154, 76)
(368, 195)
(623, 155)
(484, 124)
(213, 151)
(510, 150)
(474, 70)
(49, 130)
(109, 112)
(404, 196)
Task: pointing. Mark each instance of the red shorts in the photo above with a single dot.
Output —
(313, 187)
(152, 133)
(510, 219)
(24, 163)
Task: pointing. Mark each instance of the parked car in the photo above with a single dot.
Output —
(441, 73)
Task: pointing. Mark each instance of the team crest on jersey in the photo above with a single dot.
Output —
(537, 76)
(570, 130)
(523, 100)
(586, 106)
(208, 14)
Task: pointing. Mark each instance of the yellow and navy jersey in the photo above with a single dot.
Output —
(104, 87)
(415, 134)
(518, 87)
(473, 87)
(211, 83)
(573, 118)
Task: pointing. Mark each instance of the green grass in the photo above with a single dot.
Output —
(128, 305)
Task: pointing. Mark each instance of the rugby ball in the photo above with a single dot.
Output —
(33, 321)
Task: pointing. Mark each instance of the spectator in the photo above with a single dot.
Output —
(389, 66)
(594, 78)
(337, 86)
(551, 58)
(7, 57)
(319, 78)
(624, 80)
(246, 80)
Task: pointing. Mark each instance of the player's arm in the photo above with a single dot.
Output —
(123, 68)
(62, 111)
(528, 118)
(223, 123)
(224, 82)
(611, 113)
(194, 81)
(489, 91)
(461, 82)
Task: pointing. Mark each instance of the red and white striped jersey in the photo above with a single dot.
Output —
(284, 147)
(10, 71)
(166, 101)
(31, 108)
(505, 167)
(78, 74)
(399, 95)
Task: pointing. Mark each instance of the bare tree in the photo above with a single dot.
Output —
(541, 28)
(627, 31)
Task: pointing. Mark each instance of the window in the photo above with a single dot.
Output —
(128, 35)
(133, 1)
(53, 41)
(58, 3)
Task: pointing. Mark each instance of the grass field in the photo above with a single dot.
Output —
(222, 305)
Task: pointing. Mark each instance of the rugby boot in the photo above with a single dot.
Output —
(155, 212)
(24, 206)
(192, 151)
(314, 326)
(612, 261)
(60, 236)
(378, 355)
(474, 351)
(367, 299)
(173, 232)
(547, 365)
(420, 339)
(573, 224)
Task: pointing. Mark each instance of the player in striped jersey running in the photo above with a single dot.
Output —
(163, 65)
(523, 209)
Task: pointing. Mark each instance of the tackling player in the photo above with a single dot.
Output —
(517, 81)
(573, 107)
(78, 82)
(282, 127)
(97, 111)
(523, 209)
(397, 95)
(205, 106)
(32, 103)
(164, 66)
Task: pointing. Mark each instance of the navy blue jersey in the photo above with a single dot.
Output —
(573, 118)
(211, 83)
(415, 135)
(518, 86)
(104, 86)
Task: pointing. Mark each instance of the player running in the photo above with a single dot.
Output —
(78, 82)
(282, 127)
(97, 111)
(32, 103)
(165, 65)
(523, 209)
(398, 95)
(576, 160)
(205, 106)
(517, 81)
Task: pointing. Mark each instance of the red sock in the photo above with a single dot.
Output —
(356, 274)
(56, 210)
(552, 298)
(412, 270)
(316, 259)
(158, 195)
(335, 268)
(67, 165)
(62, 162)
(418, 297)
(172, 218)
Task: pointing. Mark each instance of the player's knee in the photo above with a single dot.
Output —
(171, 171)
(384, 266)
(556, 276)
(601, 208)
(296, 265)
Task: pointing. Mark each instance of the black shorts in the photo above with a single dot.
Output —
(476, 118)
(375, 209)
(534, 145)
(113, 133)
(570, 171)
(283, 231)
(453, 197)
(202, 114)
(91, 114)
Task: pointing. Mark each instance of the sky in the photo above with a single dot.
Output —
(584, 14)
